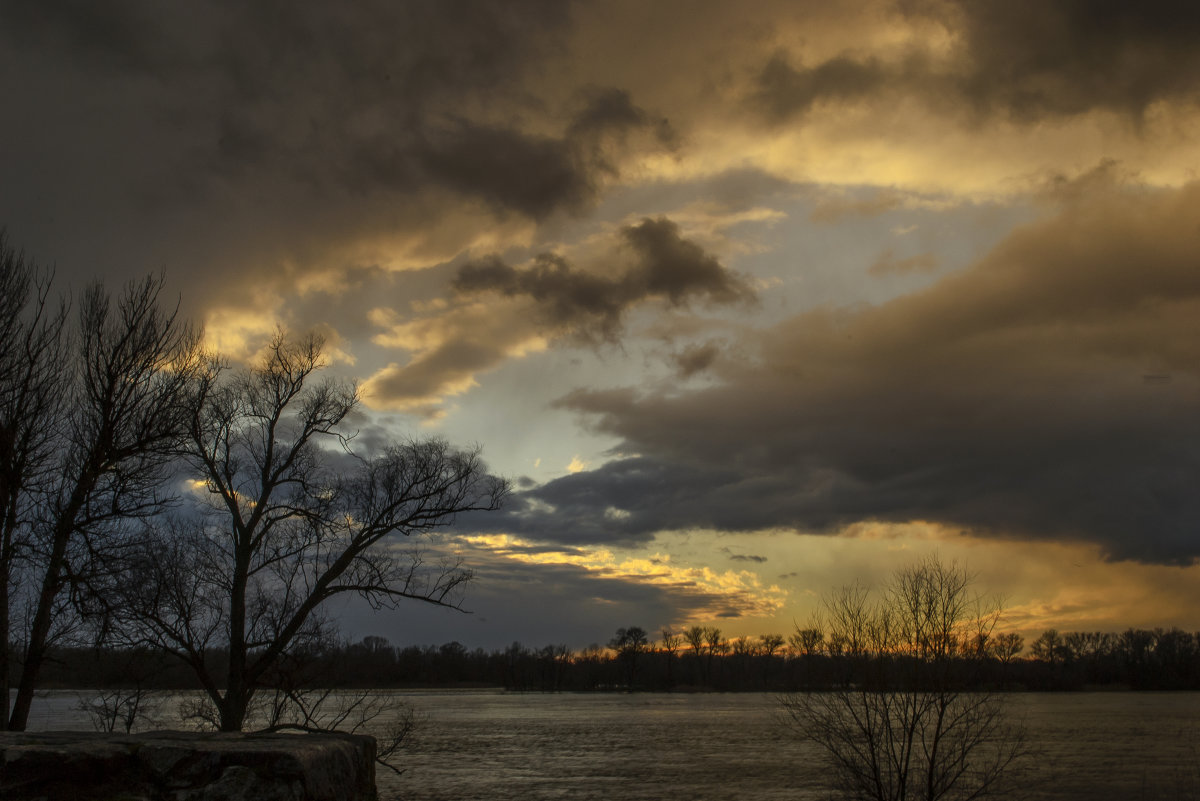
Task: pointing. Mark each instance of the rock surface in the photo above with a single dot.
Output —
(186, 766)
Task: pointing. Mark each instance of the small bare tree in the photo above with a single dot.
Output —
(715, 645)
(672, 641)
(694, 637)
(288, 517)
(769, 644)
(908, 720)
(124, 692)
(121, 708)
(629, 644)
(1005, 648)
(300, 696)
(386, 718)
(807, 642)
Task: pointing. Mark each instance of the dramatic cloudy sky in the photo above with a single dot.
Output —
(749, 300)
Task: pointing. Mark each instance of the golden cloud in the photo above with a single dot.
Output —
(730, 590)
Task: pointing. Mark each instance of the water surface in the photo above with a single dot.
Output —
(489, 745)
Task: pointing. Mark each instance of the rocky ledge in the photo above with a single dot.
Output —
(186, 766)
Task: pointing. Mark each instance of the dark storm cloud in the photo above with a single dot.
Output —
(263, 142)
(607, 110)
(552, 299)
(1025, 60)
(537, 175)
(785, 91)
(423, 377)
(567, 297)
(530, 174)
(671, 266)
(661, 264)
(280, 86)
(627, 501)
(696, 359)
(1035, 58)
(122, 35)
(264, 50)
(1008, 399)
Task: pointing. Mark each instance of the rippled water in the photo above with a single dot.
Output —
(489, 746)
(494, 745)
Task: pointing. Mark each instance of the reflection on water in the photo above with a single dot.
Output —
(495, 745)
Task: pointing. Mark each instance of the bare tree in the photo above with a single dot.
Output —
(1050, 648)
(89, 420)
(694, 637)
(389, 720)
(671, 643)
(289, 516)
(118, 710)
(554, 660)
(671, 640)
(32, 389)
(128, 697)
(770, 643)
(298, 697)
(629, 643)
(807, 642)
(714, 644)
(744, 647)
(905, 723)
(1005, 648)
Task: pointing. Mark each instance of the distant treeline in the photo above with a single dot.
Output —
(1158, 659)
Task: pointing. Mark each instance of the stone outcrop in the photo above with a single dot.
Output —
(186, 766)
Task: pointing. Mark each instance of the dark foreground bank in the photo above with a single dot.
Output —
(186, 766)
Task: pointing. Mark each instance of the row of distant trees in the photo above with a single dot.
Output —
(161, 504)
(696, 658)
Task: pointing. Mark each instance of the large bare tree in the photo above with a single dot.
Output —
(289, 515)
(90, 419)
(32, 387)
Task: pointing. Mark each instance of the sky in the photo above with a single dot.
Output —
(748, 300)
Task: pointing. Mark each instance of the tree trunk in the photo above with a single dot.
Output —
(5, 646)
(8, 493)
(7, 555)
(39, 632)
(233, 709)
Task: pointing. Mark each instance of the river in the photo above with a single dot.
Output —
(489, 745)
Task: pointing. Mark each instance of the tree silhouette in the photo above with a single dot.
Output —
(905, 722)
(671, 642)
(1005, 647)
(770, 643)
(629, 644)
(90, 418)
(289, 516)
(714, 644)
(694, 637)
(32, 390)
